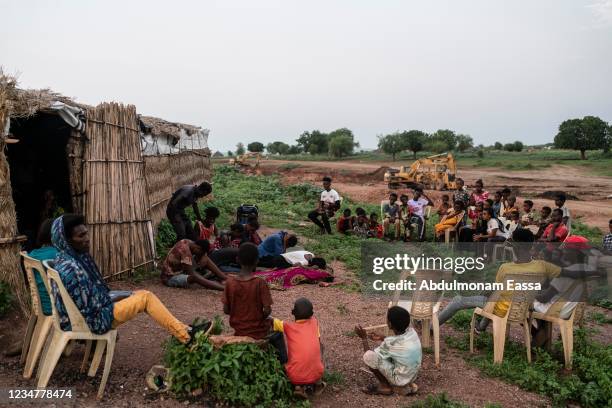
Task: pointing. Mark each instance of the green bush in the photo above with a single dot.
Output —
(6, 298)
(236, 374)
(589, 382)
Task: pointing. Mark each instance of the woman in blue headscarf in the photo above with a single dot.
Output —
(84, 283)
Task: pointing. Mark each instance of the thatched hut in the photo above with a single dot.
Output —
(114, 166)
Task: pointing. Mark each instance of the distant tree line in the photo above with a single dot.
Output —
(588, 133)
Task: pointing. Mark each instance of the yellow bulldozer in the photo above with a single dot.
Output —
(249, 160)
(437, 172)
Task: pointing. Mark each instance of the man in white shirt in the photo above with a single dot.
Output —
(328, 205)
(417, 212)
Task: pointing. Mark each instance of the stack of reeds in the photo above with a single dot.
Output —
(190, 167)
(116, 202)
(10, 270)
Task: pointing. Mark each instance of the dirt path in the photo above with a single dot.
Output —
(363, 181)
(139, 348)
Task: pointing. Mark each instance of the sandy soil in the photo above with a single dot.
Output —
(364, 181)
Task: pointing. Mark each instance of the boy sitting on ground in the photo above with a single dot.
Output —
(304, 366)
(376, 230)
(391, 214)
(344, 225)
(396, 362)
(246, 298)
(362, 226)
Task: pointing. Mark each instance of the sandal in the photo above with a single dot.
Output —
(372, 389)
(408, 389)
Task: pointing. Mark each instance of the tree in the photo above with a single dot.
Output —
(437, 146)
(294, 149)
(255, 147)
(413, 140)
(514, 147)
(278, 147)
(464, 142)
(239, 149)
(314, 142)
(446, 136)
(583, 134)
(341, 145)
(498, 146)
(230, 153)
(392, 144)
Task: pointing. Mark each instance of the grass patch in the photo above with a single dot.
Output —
(600, 318)
(462, 319)
(333, 378)
(442, 400)
(589, 383)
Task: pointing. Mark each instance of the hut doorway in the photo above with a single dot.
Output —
(40, 174)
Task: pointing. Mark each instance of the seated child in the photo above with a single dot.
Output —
(474, 212)
(376, 230)
(179, 268)
(362, 226)
(250, 230)
(514, 222)
(497, 203)
(246, 298)
(231, 239)
(545, 213)
(207, 229)
(391, 214)
(405, 214)
(510, 207)
(304, 365)
(451, 219)
(396, 362)
(345, 222)
(444, 206)
(530, 215)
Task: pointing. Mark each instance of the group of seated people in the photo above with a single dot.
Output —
(477, 218)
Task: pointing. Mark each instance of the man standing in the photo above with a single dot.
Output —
(182, 198)
(328, 205)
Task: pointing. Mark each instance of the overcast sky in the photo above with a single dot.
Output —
(268, 70)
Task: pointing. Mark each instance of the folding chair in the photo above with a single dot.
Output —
(424, 307)
(80, 331)
(518, 312)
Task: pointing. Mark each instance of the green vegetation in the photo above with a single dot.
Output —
(237, 374)
(6, 298)
(333, 378)
(589, 383)
(600, 318)
(443, 401)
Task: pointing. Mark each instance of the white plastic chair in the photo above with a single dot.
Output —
(80, 331)
(39, 325)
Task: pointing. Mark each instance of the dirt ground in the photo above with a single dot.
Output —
(363, 181)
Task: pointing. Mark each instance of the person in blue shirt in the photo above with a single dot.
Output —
(274, 245)
(44, 252)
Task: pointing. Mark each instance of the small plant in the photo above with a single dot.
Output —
(462, 319)
(438, 401)
(333, 378)
(236, 374)
(342, 309)
(600, 318)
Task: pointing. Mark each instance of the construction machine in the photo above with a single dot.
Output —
(249, 160)
(435, 172)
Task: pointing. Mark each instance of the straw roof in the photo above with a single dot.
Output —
(27, 102)
(160, 127)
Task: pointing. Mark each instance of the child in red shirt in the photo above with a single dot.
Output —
(246, 298)
(304, 367)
